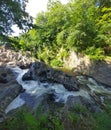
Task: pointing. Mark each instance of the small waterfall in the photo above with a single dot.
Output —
(34, 89)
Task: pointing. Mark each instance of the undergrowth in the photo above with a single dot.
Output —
(77, 119)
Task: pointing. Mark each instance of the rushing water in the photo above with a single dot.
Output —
(94, 86)
(34, 89)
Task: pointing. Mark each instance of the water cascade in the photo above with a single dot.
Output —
(34, 89)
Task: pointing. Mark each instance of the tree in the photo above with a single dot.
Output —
(80, 25)
(12, 12)
(105, 3)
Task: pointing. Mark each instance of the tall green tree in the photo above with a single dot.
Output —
(12, 12)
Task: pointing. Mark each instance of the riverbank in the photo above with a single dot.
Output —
(43, 88)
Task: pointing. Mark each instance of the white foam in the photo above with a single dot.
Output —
(17, 102)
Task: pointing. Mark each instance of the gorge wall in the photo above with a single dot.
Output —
(81, 64)
(80, 89)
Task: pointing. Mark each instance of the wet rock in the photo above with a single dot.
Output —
(6, 75)
(3, 80)
(101, 71)
(91, 105)
(25, 66)
(47, 103)
(43, 73)
(82, 101)
(72, 101)
(9, 93)
(9, 88)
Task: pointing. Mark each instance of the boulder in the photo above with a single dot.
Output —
(9, 57)
(9, 88)
(43, 73)
(101, 71)
(9, 93)
(6, 75)
(82, 101)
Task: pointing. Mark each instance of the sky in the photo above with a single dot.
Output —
(33, 8)
(36, 6)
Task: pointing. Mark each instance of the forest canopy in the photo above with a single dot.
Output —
(80, 25)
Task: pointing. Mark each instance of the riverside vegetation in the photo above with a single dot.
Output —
(79, 118)
(80, 25)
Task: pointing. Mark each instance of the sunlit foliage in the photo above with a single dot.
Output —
(80, 25)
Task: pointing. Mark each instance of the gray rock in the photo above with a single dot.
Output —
(6, 75)
(82, 64)
(43, 73)
(9, 88)
(82, 101)
(9, 57)
(101, 71)
(3, 79)
(9, 93)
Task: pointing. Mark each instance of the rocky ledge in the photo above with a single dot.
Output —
(9, 57)
(81, 64)
(43, 73)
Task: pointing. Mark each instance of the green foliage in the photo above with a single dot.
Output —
(103, 120)
(56, 62)
(74, 117)
(80, 108)
(83, 26)
(78, 118)
(12, 12)
(95, 53)
(24, 120)
(105, 3)
(82, 119)
(103, 38)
